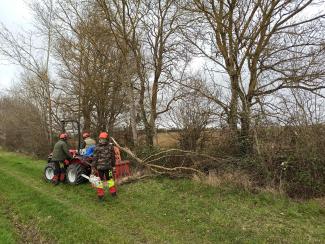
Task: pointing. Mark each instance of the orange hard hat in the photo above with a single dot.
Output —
(103, 135)
(85, 135)
(64, 136)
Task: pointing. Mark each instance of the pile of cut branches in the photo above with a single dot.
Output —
(174, 162)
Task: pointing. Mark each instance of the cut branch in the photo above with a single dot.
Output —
(158, 168)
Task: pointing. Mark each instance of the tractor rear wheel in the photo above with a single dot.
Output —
(73, 174)
(49, 172)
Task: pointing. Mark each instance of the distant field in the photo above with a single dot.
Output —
(167, 139)
(171, 139)
(164, 139)
(151, 211)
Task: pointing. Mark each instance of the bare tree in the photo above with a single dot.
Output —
(89, 66)
(19, 50)
(20, 122)
(192, 116)
(148, 30)
(253, 45)
(44, 15)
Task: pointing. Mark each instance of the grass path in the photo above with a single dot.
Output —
(7, 229)
(151, 211)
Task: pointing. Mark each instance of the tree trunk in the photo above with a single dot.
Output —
(233, 116)
(47, 76)
(245, 139)
(149, 136)
(87, 121)
(101, 120)
(133, 115)
(233, 110)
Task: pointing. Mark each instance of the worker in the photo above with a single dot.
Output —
(103, 163)
(59, 155)
(89, 145)
(88, 140)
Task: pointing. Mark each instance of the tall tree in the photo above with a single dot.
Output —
(89, 65)
(259, 47)
(148, 30)
(21, 50)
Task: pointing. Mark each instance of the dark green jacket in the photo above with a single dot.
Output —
(61, 151)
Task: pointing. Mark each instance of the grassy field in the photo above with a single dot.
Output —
(150, 211)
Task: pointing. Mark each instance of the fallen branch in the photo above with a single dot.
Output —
(175, 168)
(158, 169)
(191, 153)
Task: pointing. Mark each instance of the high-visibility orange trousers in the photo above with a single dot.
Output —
(107, 181)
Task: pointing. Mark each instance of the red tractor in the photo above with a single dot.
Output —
(75, 167)
(82, 165)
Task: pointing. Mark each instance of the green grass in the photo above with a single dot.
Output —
(7, 232)
(150, 211)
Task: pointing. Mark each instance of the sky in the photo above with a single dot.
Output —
(14, 14)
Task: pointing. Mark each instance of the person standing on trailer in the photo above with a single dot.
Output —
(59, 155)
(103, 163)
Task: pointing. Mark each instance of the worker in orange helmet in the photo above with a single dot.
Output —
(59, 155)
(88, 140)
(89, 144)
(103, 162)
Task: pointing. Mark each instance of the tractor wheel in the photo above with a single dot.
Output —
(49, 172)
(73, 174)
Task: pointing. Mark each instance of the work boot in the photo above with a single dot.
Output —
(101, 199)
(100, 194)
(112, 191)
(55, 180)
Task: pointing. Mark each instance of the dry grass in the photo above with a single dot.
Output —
(272, 190)
(170, 139)
(163, 140)
(167, 139)
(321, 201)
(242, 181)
(236, 178)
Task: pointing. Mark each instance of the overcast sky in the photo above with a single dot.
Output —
(14, 14)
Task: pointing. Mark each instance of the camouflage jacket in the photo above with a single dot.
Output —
(104, 156)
